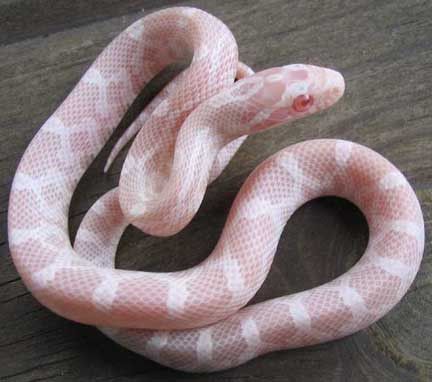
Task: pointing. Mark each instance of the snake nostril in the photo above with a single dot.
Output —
(302, 102)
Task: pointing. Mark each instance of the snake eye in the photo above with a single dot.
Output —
(302, 102)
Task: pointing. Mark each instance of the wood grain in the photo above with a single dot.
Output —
(384, 51)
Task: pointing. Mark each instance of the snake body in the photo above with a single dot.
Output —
(196, 320)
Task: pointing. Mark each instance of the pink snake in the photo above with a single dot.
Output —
(196, 319)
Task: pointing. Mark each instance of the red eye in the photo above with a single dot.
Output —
(302, 102)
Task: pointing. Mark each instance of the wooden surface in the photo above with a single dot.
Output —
(384, 50)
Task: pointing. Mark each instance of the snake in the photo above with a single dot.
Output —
(198, 319)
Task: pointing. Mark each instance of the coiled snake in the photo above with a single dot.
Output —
(195, 319)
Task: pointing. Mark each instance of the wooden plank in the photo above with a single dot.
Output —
(383, 50)
(46, 16)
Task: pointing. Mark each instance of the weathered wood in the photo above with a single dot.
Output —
(384, 51)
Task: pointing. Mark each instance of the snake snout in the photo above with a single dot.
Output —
(334, 85)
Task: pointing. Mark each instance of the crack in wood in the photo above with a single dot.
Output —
(26, 371)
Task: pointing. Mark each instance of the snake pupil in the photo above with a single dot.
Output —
(302, 102)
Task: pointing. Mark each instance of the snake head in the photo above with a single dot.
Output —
(281, 94)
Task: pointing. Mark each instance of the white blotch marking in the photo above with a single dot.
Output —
(182, 23)
(355, 303)
(93, 76)
(258, 207)
(110, 331)
(43, 277)
(353, 300)
(100, 208)
(25, 182)
(202, 53)
(392, 180)
(162, 109)
(124, 77)
(246, 88)
(260, 117)
(42, 233)
(343, 152)
(290, 164)
(105, 293)
(250, 333)
(156, 343)
(197, 158)
(189, 12)
(136, 30)
(204, 346)
(235, 280)
(409, 228)
(394, 267)
(92, 237)
(54, 125)
(138, 209)
(177, 296)
(17, 236)
(300, 315)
